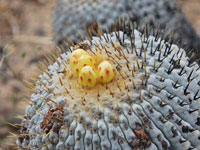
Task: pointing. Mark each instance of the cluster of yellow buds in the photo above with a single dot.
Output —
(91, 69)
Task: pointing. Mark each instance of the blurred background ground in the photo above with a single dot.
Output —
(25, 37)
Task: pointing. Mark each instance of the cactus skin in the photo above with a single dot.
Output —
(70, 16)
(152, 104)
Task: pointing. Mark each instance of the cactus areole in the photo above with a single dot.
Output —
(115, 92)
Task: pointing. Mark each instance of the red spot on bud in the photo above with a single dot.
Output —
(107, 72)
(101, 77)
(89, 80)
(84, 65)
(77, 70)
(99, 68)
(81, 78)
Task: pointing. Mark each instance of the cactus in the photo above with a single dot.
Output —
(152, 102)
(70, 16)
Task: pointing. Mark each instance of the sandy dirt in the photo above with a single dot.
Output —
(25, 37)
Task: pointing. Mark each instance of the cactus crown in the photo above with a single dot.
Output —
(84, 80)
(150, 101)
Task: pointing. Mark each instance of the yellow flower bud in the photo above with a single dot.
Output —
(87, 77)
(99, 57)
(106, 72)
(75, 55)
(84, 60)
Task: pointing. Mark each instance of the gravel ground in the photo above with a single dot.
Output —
(25, 37)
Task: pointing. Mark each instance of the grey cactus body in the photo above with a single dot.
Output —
(72, 16)
(152, 104)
